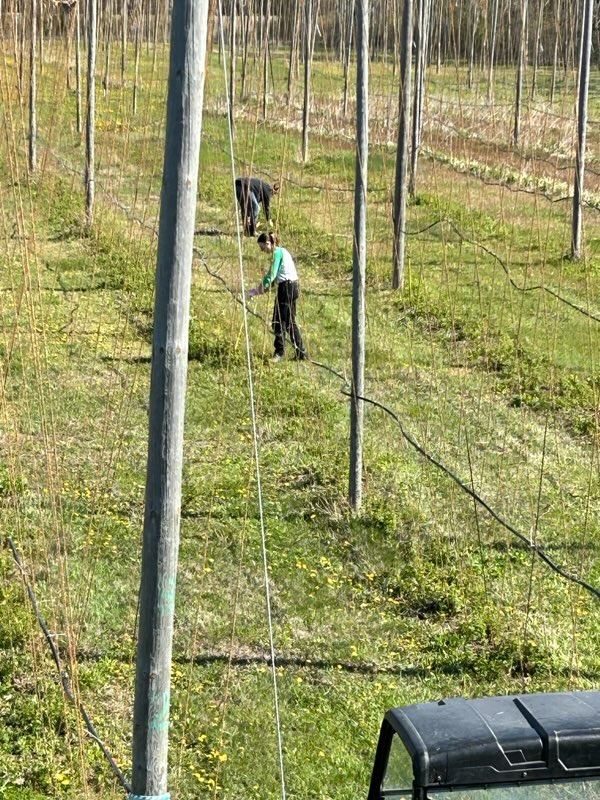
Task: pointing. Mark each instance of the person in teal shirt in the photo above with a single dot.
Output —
(284, 276)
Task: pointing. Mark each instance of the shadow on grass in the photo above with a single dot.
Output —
(456, 667)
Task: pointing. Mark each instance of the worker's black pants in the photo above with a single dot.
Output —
(249, 208)
(284, 318)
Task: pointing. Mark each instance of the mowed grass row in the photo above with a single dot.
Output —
(418, 597)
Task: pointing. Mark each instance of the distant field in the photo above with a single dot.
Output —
(488, 357)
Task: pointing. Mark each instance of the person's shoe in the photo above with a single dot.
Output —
(276, 358)
(301, 355)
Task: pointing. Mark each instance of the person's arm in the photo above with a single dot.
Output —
(270, 276)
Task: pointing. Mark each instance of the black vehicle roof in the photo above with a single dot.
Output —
(501, 739)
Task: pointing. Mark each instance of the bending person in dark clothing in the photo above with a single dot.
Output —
(251, 193)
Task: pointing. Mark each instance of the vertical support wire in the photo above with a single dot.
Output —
(254, 427)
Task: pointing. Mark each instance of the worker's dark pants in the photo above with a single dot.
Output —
(249, 208)
(284, 318)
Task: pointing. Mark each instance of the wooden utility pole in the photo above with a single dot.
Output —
(295, 35)
(584, 81)
(347, 60)
(33, 89)
(359, 252)
(492, 52)
(124, 38)
(266, 57)
(400, 188)
(90, 125)
(78, 64)
(167, 396)
(520, 71)
(308, 21)
(232, 60)
(422, 42)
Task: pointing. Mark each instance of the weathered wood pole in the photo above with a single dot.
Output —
(232, 60)
(359, 252)
(584, 82)
(347, 60)
(422, 42)
(308, 37)
(400, 187)
(492, 52)
(520, 71)
(295, 35)
(90, 124)
(124, 39)
(78, 64)
(167, 396)
(33, 89)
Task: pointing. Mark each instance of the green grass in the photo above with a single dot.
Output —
(419, 596)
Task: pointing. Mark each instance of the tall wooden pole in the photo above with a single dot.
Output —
(422, 42)
(520, 70)
(124, 39)
(78, 64)
(308, 23)
(33, 89)
(400, 188)
(584, 81)
(90, 125)
(347, 60)
(359, 252)
(492, 52)
(266, 57)
(232, 60)
(167, 396)
(293, 52)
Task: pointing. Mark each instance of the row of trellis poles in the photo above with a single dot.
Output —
(430, 26)
(110, 21)
(300, 20)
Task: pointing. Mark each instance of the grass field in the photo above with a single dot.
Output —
(421, 595)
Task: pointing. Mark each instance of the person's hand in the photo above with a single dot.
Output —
(270, 223)
(251, 293)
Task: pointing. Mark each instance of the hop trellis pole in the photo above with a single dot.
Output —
(359, 255)
(167, 397)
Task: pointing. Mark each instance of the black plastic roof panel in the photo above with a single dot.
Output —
(459, 742)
